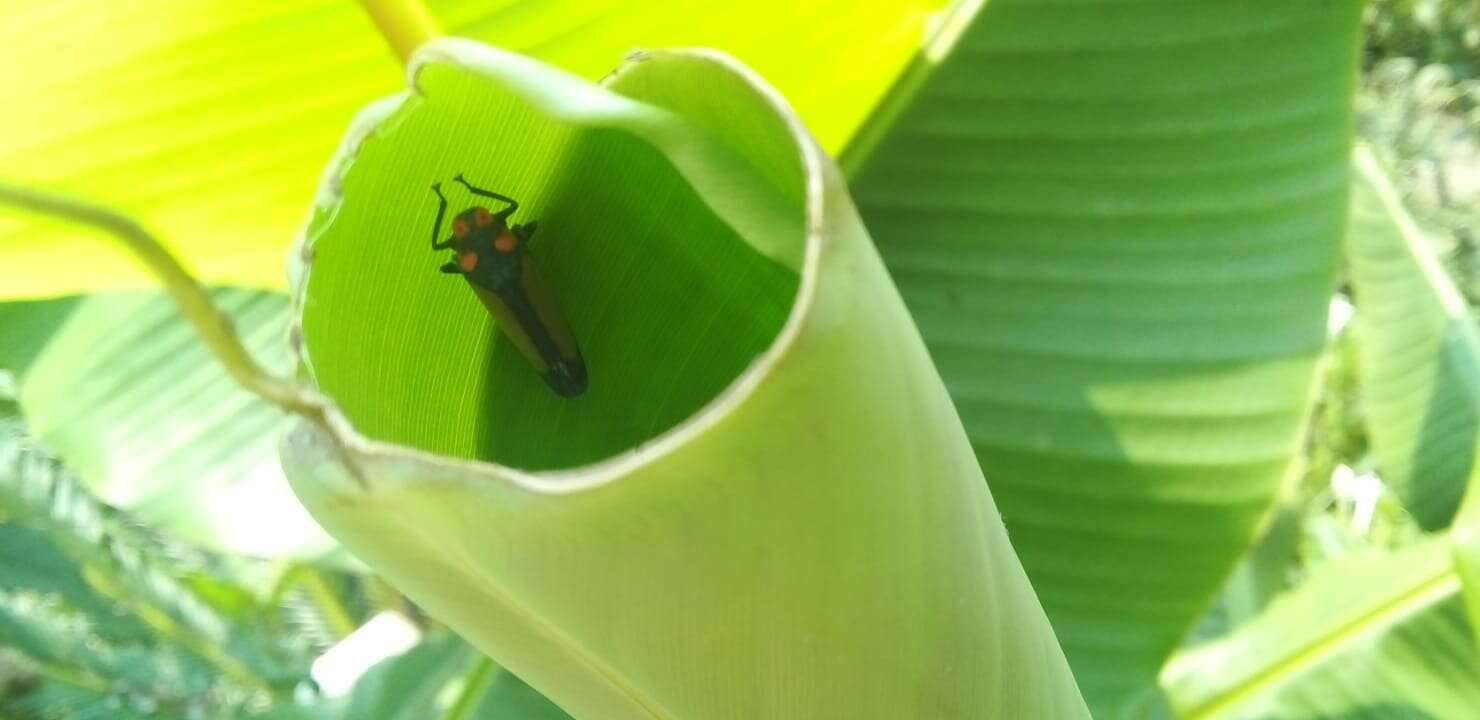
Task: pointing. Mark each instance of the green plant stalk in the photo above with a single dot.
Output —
(327, 601)
(953, 21)
(71, 676)
(312, 581)
(475, 684)
(214, 326)
(406, 24)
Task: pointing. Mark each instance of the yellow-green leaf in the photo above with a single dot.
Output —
(209, 120)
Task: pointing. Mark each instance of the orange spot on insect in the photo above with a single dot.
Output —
(459, 228)
(468, 261)
(505, 242)
(482, 217)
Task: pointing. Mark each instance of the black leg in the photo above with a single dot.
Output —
(452, 268)
(525, 231)
(441, 212)
(502, 214)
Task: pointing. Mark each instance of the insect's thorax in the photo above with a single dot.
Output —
(496, 256)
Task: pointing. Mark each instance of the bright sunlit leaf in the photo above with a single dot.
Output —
(210, 120)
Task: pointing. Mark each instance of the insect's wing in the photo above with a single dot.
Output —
(543, 300)
(509, 325)
(528, 315)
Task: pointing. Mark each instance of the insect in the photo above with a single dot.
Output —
(493, 256)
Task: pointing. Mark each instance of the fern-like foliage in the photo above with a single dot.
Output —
(102, 618)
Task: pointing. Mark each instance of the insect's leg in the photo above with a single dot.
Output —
(441, 212)
(502, 214)
(451, 268)
(525, 231)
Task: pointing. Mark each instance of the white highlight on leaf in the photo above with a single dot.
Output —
(1340, 314)
(340, 667)
(1362, 490)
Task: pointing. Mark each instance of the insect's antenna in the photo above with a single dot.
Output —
(513, 204)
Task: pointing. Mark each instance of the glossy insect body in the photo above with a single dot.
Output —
(492, 255)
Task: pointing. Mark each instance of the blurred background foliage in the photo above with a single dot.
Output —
(1419, 108)
(103, 616)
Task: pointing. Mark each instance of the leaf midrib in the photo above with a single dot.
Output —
(1428, 591)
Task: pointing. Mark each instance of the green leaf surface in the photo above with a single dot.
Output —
(1372, 635)
(1263, 574)
(1117, 225)
(408, 686)
(431, 679)
(1420, 353)
(209, 120)
(125, 392)
(508, 697)
(28, 327)
(814, 541)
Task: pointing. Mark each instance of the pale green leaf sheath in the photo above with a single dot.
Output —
(1117, 225)
(764, 506)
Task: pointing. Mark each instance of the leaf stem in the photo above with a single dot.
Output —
(474, 686)
(325, 600)
(949, 26)
(406, 24)
(1437, 586)
(215, 328)
(74, 677)
(323, 596)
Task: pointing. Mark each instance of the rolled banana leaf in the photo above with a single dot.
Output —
(764, 506)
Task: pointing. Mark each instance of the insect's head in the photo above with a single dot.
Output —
(470, 221)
